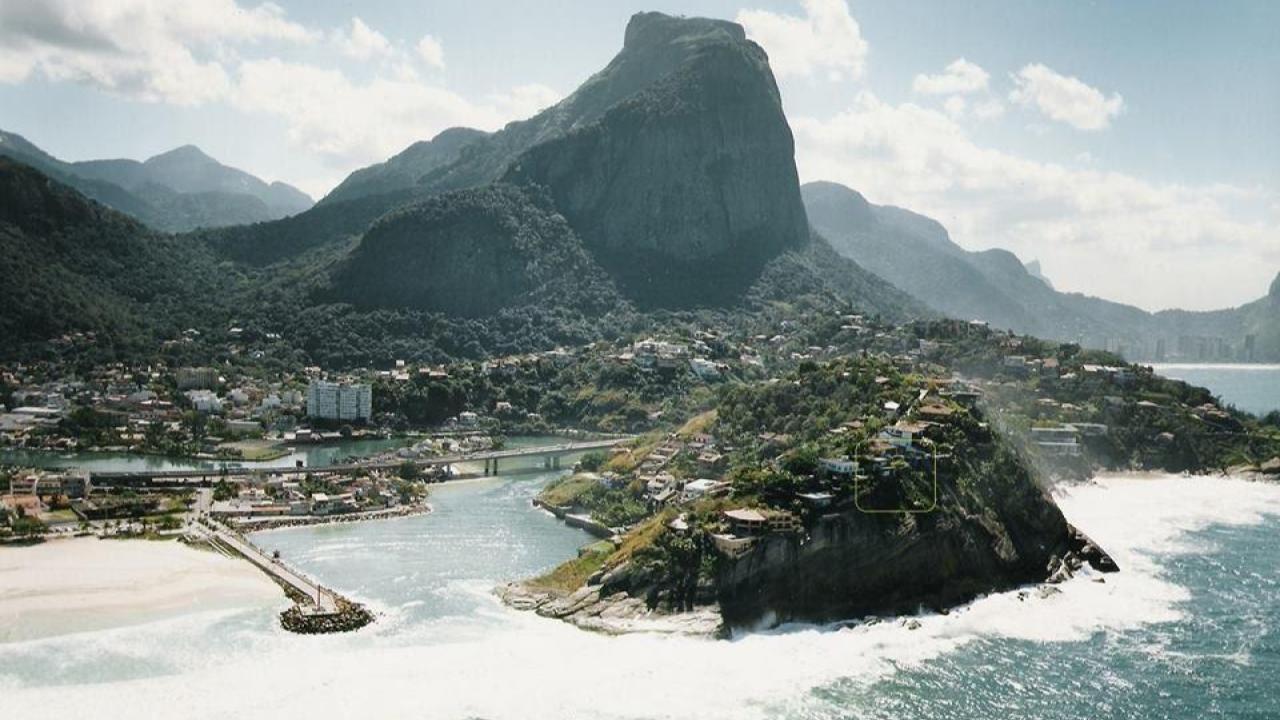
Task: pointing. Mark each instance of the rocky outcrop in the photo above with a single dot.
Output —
(654, 46)
(684, 190)
(594, 608)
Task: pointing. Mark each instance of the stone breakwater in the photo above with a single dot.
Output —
(298, 619)
(252, 526)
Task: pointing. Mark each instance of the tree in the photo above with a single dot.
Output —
(26, 526)
(593, 461)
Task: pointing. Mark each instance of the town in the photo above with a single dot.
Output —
(246, 422)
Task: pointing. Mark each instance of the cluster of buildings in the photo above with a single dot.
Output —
(663, 487)
(288, 497)
(697, 356)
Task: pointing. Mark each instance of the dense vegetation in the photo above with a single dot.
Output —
(73, 266)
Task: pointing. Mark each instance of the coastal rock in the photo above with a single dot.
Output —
(613, 614)
(852, 564)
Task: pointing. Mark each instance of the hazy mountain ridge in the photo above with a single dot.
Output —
(916, 254)
(407, 168)
(176, 191)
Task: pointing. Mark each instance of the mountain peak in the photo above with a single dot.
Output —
(1033, 269)
(647, 29)
(1275, 288)
(183, 153)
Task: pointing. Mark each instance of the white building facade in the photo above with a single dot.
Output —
(339, 401)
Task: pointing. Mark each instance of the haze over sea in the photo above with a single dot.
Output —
(1252, 388)
(1190, 628)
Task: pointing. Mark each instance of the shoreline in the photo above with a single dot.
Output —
(259, 526)
(620, 614)
(87, 584)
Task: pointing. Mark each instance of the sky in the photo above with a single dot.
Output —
(1129, 146)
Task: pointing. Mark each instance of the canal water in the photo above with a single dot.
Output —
(310, 455)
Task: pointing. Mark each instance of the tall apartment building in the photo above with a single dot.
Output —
(197, 378)
(339, 401)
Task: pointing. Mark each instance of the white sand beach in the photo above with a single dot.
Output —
(75, 585)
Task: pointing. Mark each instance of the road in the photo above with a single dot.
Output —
(199, 476)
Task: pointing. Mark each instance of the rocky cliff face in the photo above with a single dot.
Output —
(686, 189)
(853, 564)
(654, 46)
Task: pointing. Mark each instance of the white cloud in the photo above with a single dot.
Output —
(955, 106)
(349, 124)
(988, 109)
(151, 50)
(430, 50)
(960, 77)
(362, 42)
(1064, 98)
(825, 40)
(192, 53)
(1103, 233)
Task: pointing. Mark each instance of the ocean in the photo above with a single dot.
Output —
(1189, 629)
(1252, 388)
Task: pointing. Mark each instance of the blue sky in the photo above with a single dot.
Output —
(1130, 146)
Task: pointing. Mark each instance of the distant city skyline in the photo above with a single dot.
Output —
(1129, 147)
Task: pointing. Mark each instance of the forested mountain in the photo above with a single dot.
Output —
(915, 253)
(666, 183)
(486, 249)
(673, 170)
(175, 191)
(71, 265)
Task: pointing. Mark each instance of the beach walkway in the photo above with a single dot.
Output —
(322, 600)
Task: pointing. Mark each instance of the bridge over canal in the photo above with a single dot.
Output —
(491, 459)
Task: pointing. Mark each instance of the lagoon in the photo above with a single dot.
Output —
(310, 455)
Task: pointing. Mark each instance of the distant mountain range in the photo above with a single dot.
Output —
(176, 191)
(665, 184)
(916, 253)
(672, 168)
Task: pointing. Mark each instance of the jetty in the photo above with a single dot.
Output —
(316, 609)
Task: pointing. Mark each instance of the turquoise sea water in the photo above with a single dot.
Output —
(1252, 388)
(1189, 629)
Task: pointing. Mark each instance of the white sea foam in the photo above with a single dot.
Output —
(497, 663)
